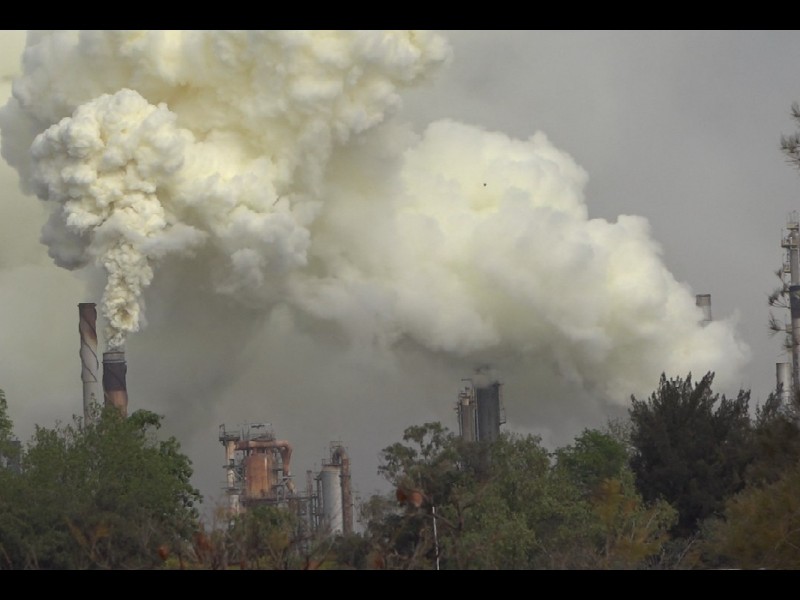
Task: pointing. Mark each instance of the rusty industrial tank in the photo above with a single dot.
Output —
(258, 475)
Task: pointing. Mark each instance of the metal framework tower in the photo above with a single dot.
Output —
(791, 268)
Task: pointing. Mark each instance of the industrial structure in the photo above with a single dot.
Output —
(114, 384)
(480, 408)
(787, 374)
(258, 473)
(257, 464)
(115, 387)
(703, 302)
(334, 491)
(90, 365)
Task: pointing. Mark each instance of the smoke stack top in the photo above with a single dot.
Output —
(271, 165)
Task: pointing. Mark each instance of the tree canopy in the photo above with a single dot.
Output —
(691, 447)
(105, 494)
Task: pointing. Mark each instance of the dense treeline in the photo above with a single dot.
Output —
(689, 481)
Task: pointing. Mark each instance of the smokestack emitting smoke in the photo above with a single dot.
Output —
(114, 384)
(271, 163)
(90, 365)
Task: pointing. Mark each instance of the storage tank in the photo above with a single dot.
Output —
(258, 475)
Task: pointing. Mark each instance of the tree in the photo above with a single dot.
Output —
(9, 445)
(508, 505)
(760, 528)
(776, 441)
(102, 494)
(790, 144)
(264, 537)
(593, 458)
(691, 448)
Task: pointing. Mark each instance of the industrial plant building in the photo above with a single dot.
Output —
(480, 409)
(257, 464)
(258, 472)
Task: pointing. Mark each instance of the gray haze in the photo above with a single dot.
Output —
(668, 141)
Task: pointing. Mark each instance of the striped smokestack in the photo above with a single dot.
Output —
(114, 385)
(90, 366)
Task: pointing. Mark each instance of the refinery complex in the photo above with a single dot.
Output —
(258, 464)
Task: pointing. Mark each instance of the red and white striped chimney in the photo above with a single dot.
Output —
(90, 366)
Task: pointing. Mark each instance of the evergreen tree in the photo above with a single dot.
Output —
(690, 447)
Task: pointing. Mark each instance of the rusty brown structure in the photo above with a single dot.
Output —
(258, 472)
(90, 365)
(115, 387)
(258, 468)
(267, 467)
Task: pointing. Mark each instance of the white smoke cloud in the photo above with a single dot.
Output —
(272, 166)
(155, 141)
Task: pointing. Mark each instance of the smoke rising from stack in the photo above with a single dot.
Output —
(272, 169)
(115, 386)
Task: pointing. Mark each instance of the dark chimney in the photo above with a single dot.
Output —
(114, 386)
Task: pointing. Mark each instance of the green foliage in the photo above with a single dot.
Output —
(102, 494)
(691, 448)
(593, 458)
(9, 446)
(776, 441)
(633, 534)
(760, 528)
(508, 505)
(6, 426)
(790, 144)
(263, 537)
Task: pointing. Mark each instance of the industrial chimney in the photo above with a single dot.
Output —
(480, 408)
(114, 385)
(703, 302)
(783, 377)
(90, 366)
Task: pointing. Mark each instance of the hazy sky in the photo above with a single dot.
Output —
(330, 232)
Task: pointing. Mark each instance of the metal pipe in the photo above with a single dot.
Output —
(90, 366)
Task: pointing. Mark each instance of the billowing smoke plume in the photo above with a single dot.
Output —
(273, 159)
